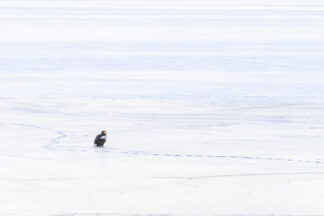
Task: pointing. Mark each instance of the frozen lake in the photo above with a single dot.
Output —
(211, 107)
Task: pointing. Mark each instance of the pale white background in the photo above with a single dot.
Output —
(211, 107)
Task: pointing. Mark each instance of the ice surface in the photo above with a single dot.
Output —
(211, 107)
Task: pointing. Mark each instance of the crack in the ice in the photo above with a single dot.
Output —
(58, 138)
(210, 156)
(55, 140)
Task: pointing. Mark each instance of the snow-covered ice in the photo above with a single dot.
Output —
(211, 107)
